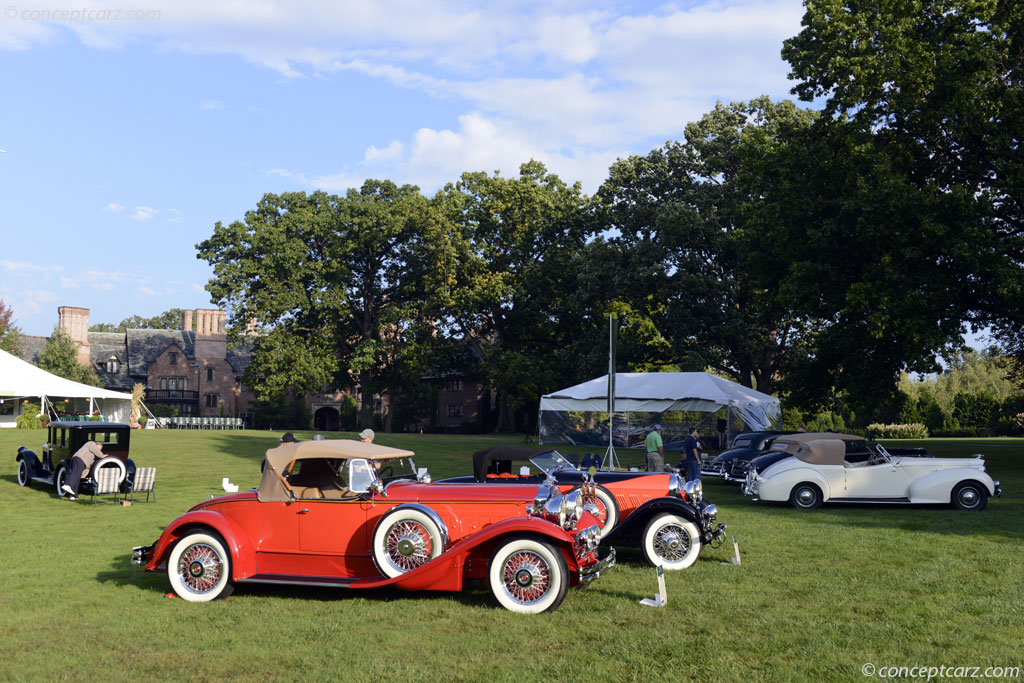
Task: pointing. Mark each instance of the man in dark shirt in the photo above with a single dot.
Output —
(691, 455)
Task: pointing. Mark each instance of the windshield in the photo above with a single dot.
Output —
(548, 462)
(741, 443)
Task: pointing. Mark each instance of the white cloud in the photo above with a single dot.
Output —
(143, 213)
(21, 266)
(113, 208)
(68, 282)
(175, 216)
(572, 87)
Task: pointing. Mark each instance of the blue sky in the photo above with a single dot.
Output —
(127, 136)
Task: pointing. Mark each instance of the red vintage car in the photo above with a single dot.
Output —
(668, 519)
(357, 515)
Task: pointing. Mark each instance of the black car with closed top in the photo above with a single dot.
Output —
(63, 441)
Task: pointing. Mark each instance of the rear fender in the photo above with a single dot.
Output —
(629, 530)
(937, 487)
(243, 553)
(447, 571)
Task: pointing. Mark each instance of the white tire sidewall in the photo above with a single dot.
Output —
(179, 588)
(23, 477)
(496, 575)
(110, 461)
(692, 553)
(60, 477)
(380, 555)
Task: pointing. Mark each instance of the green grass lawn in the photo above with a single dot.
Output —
(817, 596)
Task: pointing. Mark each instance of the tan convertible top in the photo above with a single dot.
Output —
(822, 451)
(272, 485)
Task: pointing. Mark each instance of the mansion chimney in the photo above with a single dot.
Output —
(211, 341)
(75, 321)
(186, 323)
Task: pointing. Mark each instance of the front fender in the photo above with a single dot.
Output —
(629, 529)
(242, 549)
(937, 487)
(779, 486)
(30, 458)
(446, 571)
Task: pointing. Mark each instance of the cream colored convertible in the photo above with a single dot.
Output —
(824, 467)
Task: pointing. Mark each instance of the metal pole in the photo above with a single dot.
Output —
(610, 461)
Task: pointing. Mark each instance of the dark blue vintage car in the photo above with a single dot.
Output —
(63, 440)
(667, 518)
(732, 464)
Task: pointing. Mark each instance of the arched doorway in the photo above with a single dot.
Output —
(325, 419)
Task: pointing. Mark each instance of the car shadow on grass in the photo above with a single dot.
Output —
(124, 574)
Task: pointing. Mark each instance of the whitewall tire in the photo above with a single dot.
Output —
(671, 541)
(23, 477)
(528, 576)
(607, 507)
(404, 540)
(199, 567)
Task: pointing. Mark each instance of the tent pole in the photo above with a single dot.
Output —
(92, 407)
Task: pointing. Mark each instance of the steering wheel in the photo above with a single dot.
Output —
(386, 472)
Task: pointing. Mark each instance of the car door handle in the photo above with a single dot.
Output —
(303, 511)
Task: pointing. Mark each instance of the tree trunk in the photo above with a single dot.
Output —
(365, 418)
(506, 419)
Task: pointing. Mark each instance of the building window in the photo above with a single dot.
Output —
(378, 404)
(211, 400)
(209, 374)
(172, 358)
(112, 366)
(454, 410)
(172, 383)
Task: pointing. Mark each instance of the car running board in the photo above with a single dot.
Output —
(329, 581)
(869, 500)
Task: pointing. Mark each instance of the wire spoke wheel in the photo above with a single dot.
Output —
(527, 577)
(408, 545)
(200, 568)
(671, 542)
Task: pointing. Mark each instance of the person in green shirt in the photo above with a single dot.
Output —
(655, 451)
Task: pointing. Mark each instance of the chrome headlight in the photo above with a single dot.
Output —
(587, 540)
(574, 507)
(675, 485)
(544, 493)
(694, 491)
(711, 511)
(555, 511)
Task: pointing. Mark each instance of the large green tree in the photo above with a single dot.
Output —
(510, 288)
(328, 285)
(60, 357)
(924, 109)
(689, 267)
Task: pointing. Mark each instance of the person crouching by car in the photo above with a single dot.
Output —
(691, 455)
(81, 461)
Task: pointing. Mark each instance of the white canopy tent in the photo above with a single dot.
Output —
(657, 393)
(20, 380)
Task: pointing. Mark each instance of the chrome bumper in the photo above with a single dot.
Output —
(592, 572)
(140, 553)
(999, 489)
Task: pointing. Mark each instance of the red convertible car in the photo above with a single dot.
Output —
(669, 520)
(357, 515)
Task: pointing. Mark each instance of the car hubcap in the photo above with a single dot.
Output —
(805, 496)
(526, 577)
(408, 545)
(968, 497)
(671, 542)
(200, 568)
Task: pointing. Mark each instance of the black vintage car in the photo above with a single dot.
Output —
(63, 440)
(732, 464)
(667, 518)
